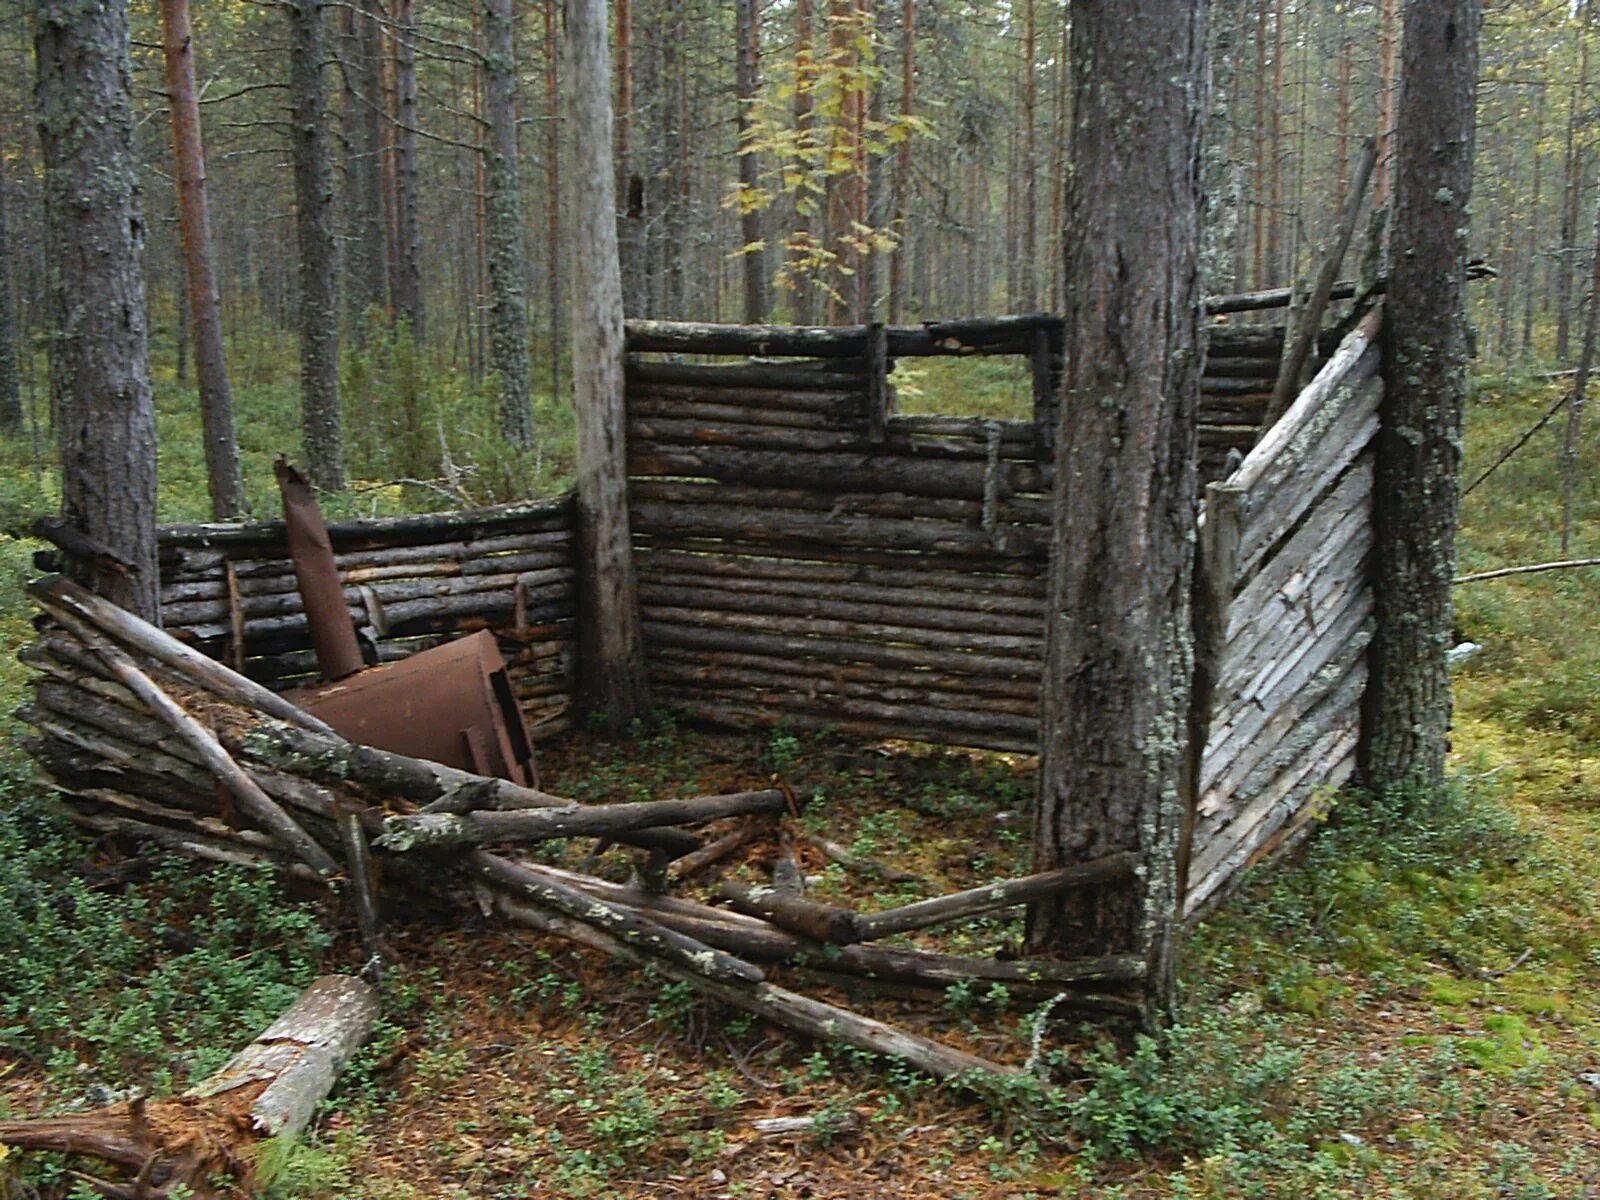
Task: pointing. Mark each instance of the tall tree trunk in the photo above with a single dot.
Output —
(507, 253)
(1028, 259)
(1580, 388)
(1531, 258)
(410, 301)
(1567, 258)
(321, 426)
(200, 277)
(1118, 661)
(902, 163)
(552, 168)
(804, 125)
(1407, 716)
(756, 302)
(10, 381)
(99, 358)
(611, 647)
(366, 260)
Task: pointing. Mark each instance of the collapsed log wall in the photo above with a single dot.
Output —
(410, 582)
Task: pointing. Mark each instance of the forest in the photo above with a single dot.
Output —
(1039, 555)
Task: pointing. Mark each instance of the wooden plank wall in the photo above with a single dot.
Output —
(410, 582)
(806, 559)
(1284, 542)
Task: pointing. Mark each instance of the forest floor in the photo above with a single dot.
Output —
(1411, 1008)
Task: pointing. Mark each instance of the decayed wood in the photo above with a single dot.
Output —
(246, 790)
(943, 910)
(814, 1018)
(808, 918)
(1311, 399)
(834, 852)
(715, 851)
(360, 870)
(62, 596)
(625, 926)
(1027, 646)
(269, 1089)
(876, 502)
(334, 761)
(876, 685)
(477, 828)
(715, 666)
(647, 374)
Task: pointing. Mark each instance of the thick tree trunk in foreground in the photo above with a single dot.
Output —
(508, 269)
(1117, 646)
(320, 419)
(200, 276)
(99, 360)
(1407, 717)
(612, 657)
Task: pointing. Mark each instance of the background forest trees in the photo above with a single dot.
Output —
(905, 158)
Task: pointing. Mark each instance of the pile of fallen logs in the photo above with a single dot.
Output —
(150, 739)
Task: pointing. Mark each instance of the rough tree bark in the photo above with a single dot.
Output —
(1407, 717)
(507, 251)
(612, 654)
(99, 358)
(10, 381)
(321, 428)
(756, 302)
(200, 276)
(1118, 658)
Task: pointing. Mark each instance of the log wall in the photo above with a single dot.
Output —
(410, 582)
(808, 556)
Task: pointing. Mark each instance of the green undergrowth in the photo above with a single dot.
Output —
(1406, 1010)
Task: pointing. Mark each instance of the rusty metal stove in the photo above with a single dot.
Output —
(451, 704)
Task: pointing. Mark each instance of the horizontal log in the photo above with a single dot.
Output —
(878, 502)
(917, 722)
(649, 408)
(691, 635)
(822, 689)
(838, 374)
(969, 600)
(836, 471)
(480, 827)
(360, 533)
(794, 914)
(982, 568)
(873, 533)
(1025, 646)
(655, 597)
(727, 713)
(997, 335)
(1006, 893)
(974, 580)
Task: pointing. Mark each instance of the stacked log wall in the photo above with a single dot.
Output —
(1285, 542)
(808, 557)
(410, 582)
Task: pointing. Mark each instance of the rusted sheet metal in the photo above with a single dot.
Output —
(452, 704)
(310, 550)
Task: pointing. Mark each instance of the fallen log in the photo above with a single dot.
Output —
(794, 913)
(436, 829)
(182, 1146)
(824, 1022)
(715, 851)
(1007, 893)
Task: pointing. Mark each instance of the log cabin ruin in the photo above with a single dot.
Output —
(809, 558)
